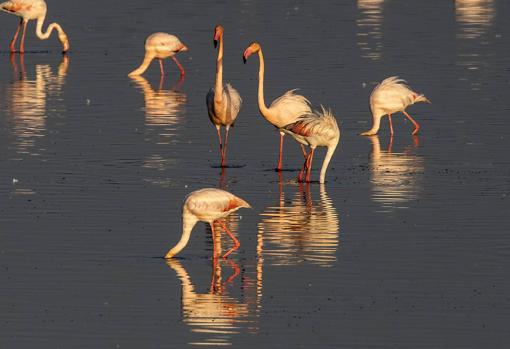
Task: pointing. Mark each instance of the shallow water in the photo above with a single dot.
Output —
(405, 246)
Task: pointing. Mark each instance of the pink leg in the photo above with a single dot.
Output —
(224, 156)
(178, 65)
(236, 242)
(22, 44)
(305, 154)
(390, 145)
(303, 169)
(309, 166)
(161, 69)
(416, 125)
(221, 145)
(279, 166)
(391, 125)
(15, 37)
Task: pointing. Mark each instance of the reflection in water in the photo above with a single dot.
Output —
(216, 314)
(474, 17)
(369, 28)
(299, 230)
(26, 102)
(164, 110)
(396, 178)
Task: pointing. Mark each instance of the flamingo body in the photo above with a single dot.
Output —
(31, 10)
(391, 96)
(160, 46)
(284, 110)
(315, 129)
(206, 205)
(223, 101)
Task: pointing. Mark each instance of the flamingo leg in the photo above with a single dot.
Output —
(15, 37)
(22, 43)
(303, 169)
(305, 154)
(279, 166)
(178, 65)
(224, 156)
(234, 239)
(161, 69)
(391, 125)
(416, 125)
(221, 144)
(309, 165)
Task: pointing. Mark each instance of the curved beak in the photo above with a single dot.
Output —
(215, 42)
(244, 59)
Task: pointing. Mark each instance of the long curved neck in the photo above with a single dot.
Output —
(375, 126)
(45, 35)
(327, 159)
(143, 67)
(188, 222)
(262, 105)
(218, 86)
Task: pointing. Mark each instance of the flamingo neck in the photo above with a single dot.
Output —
(218, 87)
(188, 222)
(143, 67)
(45, 35)
(327, 159)
(262, 105)
(375, 126)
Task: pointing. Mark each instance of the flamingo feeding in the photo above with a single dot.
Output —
(315, 129)
(29, 10)
(392, 95)
(207, 205)
(285, 109)
(160, 46)
(223, 101)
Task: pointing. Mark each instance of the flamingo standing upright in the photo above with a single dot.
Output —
(29, 10)
(285, 109)
(317, 128)
(207, 205)
(223, 101)
(160, 46)
(392, 95)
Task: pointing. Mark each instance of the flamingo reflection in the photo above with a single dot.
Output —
(396, 178)
(369, 28)
(300, 230)
(474, 17)
(216, 315)
(27, 99)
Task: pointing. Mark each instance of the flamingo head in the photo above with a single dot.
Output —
(183, 48)
(218, 33)
(253, 48)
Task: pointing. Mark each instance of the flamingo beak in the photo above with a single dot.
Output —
(244, 59)
(215, 42)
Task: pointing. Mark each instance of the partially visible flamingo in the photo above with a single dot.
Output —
(160, 46)
(285, 109)
(392, 95)
(223, 101)
(29, 10)
(207, 205)
(315, 129)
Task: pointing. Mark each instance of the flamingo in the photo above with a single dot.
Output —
(160, 46)
(392, 95)
(315, 129)
(207, 205)
(284, 110)
(28, 10)
(223, 102)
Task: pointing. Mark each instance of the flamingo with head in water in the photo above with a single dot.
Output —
(29, 10)
(285, 109)
(392, 95)
(160, 46)
(207, 205)
(223, 101)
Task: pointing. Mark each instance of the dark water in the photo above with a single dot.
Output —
(406, 246)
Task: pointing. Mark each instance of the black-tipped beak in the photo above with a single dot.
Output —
(244, 59)
(215, 42)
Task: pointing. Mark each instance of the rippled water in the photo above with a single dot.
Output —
(405, 246)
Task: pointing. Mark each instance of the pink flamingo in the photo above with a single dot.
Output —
(315, 129)
(207, 205)
(223, 101)
(160, 46)
(29, 10)
(285, 109)
(392, 95)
